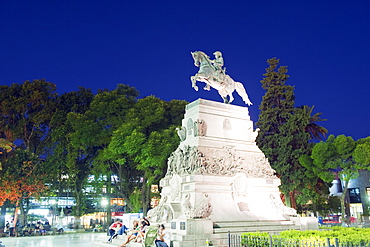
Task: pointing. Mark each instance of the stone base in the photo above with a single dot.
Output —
(220, 198)
(191, 232)
(219, 176)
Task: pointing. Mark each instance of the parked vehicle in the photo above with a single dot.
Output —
(331, 220)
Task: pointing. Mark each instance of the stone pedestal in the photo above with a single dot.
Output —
(217, 174)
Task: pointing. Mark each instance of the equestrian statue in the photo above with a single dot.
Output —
(212, 73)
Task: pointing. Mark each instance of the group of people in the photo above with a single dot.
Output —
(138, 231)
(30, 229)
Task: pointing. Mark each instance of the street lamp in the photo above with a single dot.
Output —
(53, 203)
(104, 204)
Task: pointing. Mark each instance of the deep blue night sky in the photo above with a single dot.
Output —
(146, 44)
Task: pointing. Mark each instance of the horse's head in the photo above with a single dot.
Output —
(196, 58)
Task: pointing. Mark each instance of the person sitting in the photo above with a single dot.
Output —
(47, 226)
(42, 229)
(6, 228)
(144, 225)
(134, 232)
(113, 229)
(122, 230)
(163, 238)
(26, 230)
(37, 228)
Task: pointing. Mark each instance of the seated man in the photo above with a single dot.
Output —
(113, 229)
(163, 239)
(134, 232)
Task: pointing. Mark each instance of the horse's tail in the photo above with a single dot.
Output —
(241, 91)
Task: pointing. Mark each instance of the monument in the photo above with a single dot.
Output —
(218, 177)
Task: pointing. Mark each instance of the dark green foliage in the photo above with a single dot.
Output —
(26, 120)
(75, 134)
(341, 153)
(285, 134)
(282, 136)
(26, 112)
(147, 138)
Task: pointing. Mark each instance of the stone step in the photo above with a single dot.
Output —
(235, 230)
(251, 223)
(219, 238)
(253, 226)
(220, 232)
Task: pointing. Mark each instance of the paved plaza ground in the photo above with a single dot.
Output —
(64, 240)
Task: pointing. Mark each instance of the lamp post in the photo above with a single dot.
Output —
(53, 204)
(104, 204)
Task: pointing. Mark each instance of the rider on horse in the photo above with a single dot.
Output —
(218, 63)
(212, 73)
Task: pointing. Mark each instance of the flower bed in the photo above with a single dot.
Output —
(342, 235)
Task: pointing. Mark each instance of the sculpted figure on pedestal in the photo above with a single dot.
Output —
(203, 210)
(181, 132)
(212, 73)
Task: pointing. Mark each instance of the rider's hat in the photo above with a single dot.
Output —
(217, 53)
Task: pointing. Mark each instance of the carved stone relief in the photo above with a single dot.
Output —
(175, 182)
(183, 161)
(226, 162)
(281, 208)
(226, 125)
(161, 213)
(240, 185)
(203, 210)
(190, 126)
(200, 128)
(181, 132)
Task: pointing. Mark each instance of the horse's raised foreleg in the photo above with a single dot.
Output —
(194, 82)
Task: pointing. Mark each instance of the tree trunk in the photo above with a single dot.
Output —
(145, 196)
(109, 208)
(293, 203)
(314, 208)
(78, 211)
(343, 203)
(22, 213)
(15, 219)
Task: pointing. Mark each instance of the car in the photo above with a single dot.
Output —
(331, 220)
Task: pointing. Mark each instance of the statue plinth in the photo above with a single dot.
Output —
(218, 173)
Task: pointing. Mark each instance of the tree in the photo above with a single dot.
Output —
(89, 133)
(147, 138)
(337, 153)
(282, 135)
(316, 131)
(72, 164)
(5, 148)
(26, 112)
(23, 177)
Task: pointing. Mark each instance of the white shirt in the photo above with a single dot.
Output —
(166, 237)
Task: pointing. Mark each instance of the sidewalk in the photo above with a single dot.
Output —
(62, 240)
(103, 238)
(102, 242)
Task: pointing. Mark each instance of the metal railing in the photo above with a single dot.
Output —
(233, 240)
(269, 241)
